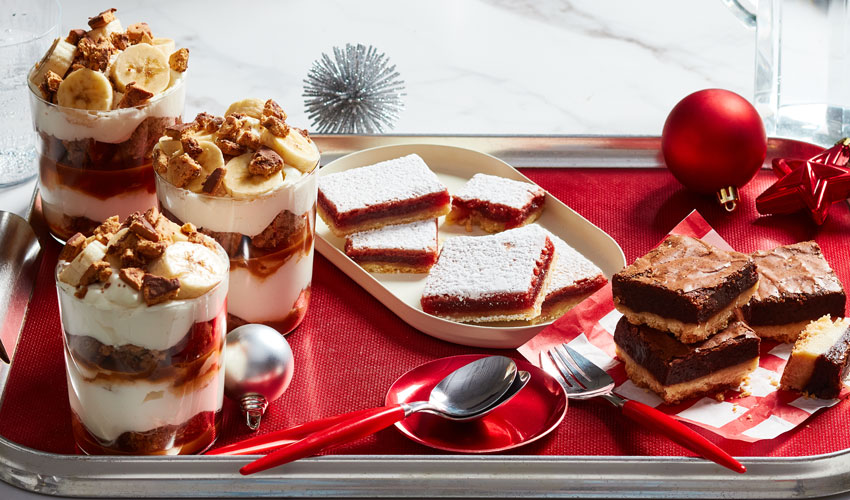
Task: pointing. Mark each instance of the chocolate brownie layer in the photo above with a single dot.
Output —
(670, 361)
(795, 284)
(684, 279)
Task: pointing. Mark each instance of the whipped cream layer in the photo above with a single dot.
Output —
(248, 216)
(116, 315)
(259, 299)
(110, 409)
(114, 126)
(60, 201)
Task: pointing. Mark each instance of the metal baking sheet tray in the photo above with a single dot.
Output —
(427, 476)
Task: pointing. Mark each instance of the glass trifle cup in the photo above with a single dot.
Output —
(250, 183)
(144, 337)
(100, 99)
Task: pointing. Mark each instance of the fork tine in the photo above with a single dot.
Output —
(569, 383)
(571, 367)
(552, 369)
(588, 367)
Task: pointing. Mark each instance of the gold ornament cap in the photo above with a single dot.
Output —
(729, 198)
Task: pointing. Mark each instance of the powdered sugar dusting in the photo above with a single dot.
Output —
(419, 235)
(570, 267)
(389, 181)
(475, 267)
(498, 190)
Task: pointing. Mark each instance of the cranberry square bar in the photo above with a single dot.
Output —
(400, 248)
(390, 192)
(498, 277)
(574, 278)
(496, 203)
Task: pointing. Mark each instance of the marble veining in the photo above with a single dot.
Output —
(470, 67)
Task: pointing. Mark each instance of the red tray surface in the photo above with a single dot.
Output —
(351, 348)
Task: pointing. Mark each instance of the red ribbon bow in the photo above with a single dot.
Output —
(813, 184)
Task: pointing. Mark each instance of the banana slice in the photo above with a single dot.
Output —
(58, 59)
(251, 107)
(104, 31)
(210, 159)
(197, 267)
(295, 149)
(85, 89)
(73, 272)
(166, 45)
(240, 183)
(144, 64)
(170, 146)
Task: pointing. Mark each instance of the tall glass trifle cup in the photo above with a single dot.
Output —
(95, 164)
(269, 239)
(143, 379)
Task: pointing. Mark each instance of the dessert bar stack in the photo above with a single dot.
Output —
(693, 317)
(679, 334)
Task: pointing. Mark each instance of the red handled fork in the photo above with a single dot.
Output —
(584, 380)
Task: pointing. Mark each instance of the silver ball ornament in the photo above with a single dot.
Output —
(258, 369)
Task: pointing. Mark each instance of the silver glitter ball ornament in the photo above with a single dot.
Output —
(258, 367)
(356, 92)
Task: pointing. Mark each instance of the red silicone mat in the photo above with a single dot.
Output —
(350, 348)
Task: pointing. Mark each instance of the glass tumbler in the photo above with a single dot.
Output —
(269, 239)
(144, 380)
(27, 28)
(96, 164)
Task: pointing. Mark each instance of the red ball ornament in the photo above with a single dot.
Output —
(714, 142)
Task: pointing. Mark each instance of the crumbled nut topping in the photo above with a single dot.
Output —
(102, 19)
(134, 96)
(52, 80)
(73, 247)
(98, 272)
(136, 32)
(119, 40)
(208, 122)
(265, 162)
(95, 55)
(273, 109)
(229, 147)
(178, 130)
(141, 226)
(132, 276)
(179, 60)
(104, 232)
(156, 289)
(191, 147)
(275, 125)
(74, 36)
(183, 169)
(214, 183)
(160, 161)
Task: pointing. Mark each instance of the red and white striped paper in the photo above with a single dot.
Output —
(760, 410)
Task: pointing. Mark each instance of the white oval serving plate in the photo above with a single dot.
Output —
(401, 292)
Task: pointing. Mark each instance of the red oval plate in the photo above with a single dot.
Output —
(534, 412)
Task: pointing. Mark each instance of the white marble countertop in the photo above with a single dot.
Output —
(470, 67)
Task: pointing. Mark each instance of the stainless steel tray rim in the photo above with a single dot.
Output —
(446, 475)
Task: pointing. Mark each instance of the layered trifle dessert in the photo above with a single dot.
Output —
(143, 310)
(248, 180)
(101, 98)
